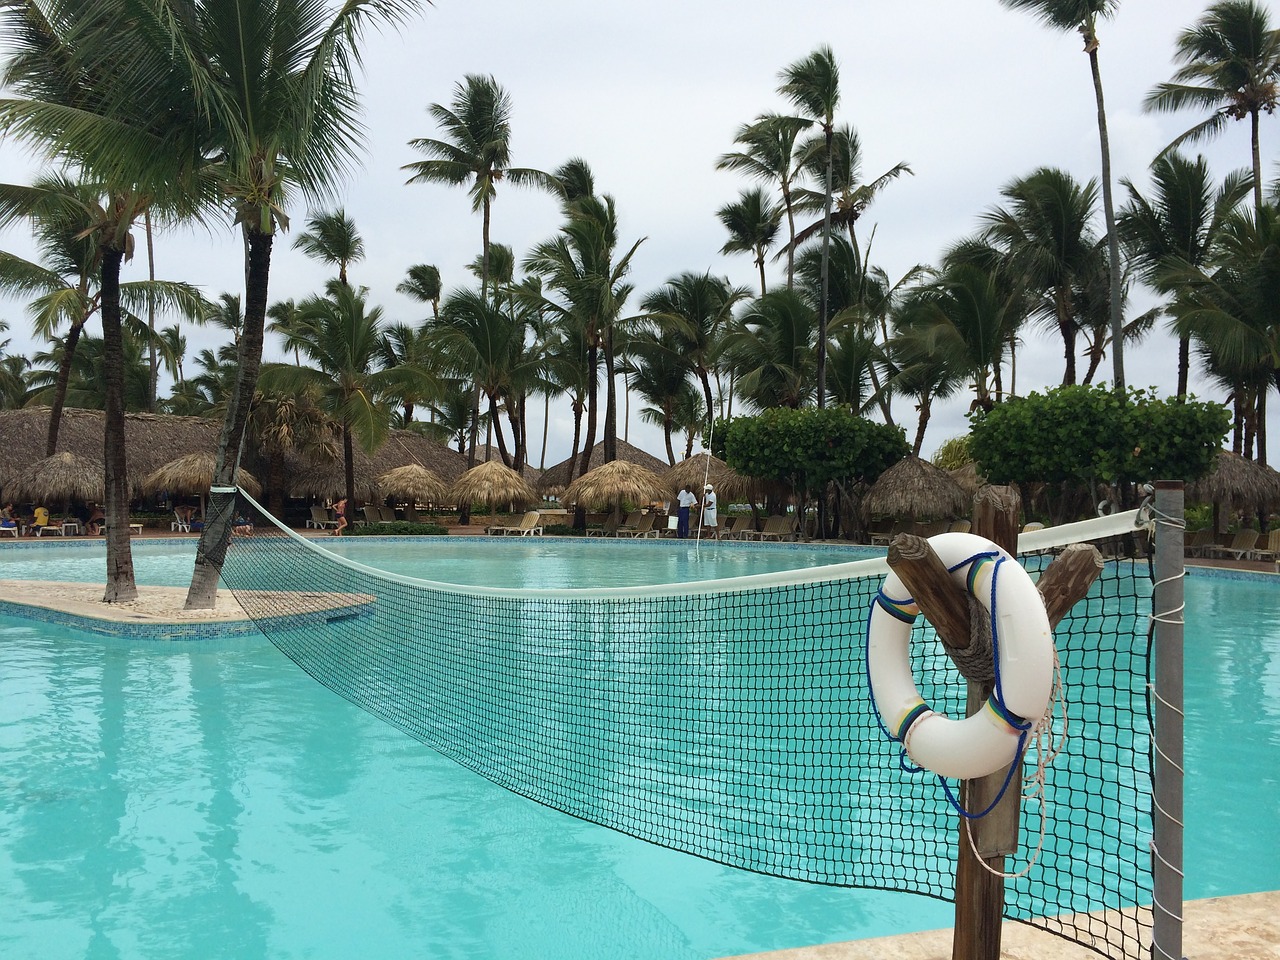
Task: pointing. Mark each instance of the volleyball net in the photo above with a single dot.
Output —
(732, 719)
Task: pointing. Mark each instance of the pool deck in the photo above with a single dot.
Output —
(1223, 928)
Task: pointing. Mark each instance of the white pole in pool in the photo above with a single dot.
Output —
(1167, 608)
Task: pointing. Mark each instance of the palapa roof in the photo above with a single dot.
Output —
(57, 479)
(327, 478)
(915, 489)
(151, 439)
(614, 482)
(556, 478)
(1238, 481)
(703, 468)
(192, 474)
(970, 480)
(487, 452)
(413, 482)
(492, 483)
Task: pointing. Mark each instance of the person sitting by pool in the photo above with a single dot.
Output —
(93, 524)
(39, 522)
(340, 511)
(8, 519)
(242, 526)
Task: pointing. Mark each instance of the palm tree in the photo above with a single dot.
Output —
(476, 149)
(422, 283)
(768, 154)
(283, 319)
(772, 352)
(1082, 16)
(813, 85)
(581, 268)
(660, 375)
(341, 336)
(694, 311)
(752, 221)
(406, 346)
(1045, 232)
(332, 238)
(1177, 227)
(1230, 66)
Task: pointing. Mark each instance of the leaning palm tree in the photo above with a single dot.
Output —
(1230, 66)
(813, 86)
(752, 222)
(422, 283)
(768, 154)
(1081, 16)
(331, 238)
(1177, 226)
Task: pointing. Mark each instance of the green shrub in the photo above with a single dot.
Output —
(398, 529)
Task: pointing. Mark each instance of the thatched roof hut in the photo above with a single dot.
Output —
(914, 489)
(703, 468)
(613, 482)
(492, 483)
(487, 452)
(970, 480)
(556, 478)
(1237, 482)
(327, 478)
(192, 475)
(151, 439)
(414, 483)
(58, 479)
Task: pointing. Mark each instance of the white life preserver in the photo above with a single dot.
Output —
(991, 738)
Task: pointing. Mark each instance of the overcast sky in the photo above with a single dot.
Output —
(970, 94)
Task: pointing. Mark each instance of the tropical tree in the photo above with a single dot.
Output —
(771, 350)
(768, 154)
(1230, 66)
(1044, 230)
(406, 346)
(752, 222)
(586, 277)
(422, 283)
(1081, 16)
(331, 238)
(813, 86)
(694, 311)
(661, 376)
(341, 337)
(1177, 227)
(476, 149)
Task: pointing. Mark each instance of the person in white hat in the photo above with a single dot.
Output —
(709, 506)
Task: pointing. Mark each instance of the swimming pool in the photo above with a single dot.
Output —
(544, 562)
(213, 798)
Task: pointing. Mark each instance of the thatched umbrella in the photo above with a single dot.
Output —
(192, 475)
(491, 483)
(1238, 482)
(613, 482)
(915, 489)
(703, 468)
(556, 478)
(413, 482)
(61, 478)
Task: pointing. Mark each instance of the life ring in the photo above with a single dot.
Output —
(991, 738)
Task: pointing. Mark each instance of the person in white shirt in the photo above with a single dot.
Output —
(686, 500)
(709, 506)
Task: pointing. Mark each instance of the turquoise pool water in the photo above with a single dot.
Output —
(492, 561)
(182, 800)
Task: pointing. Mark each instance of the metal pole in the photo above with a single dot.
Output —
(1167, 612)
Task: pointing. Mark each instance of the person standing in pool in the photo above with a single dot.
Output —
(709, 518)
(685, 500)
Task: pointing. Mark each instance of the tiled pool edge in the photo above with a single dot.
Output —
(133, 630)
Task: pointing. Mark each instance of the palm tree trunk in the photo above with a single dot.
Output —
(1257, 161)
(546, 429)
(60, 391)
(1113, 236)
(826, 256)
(593, 397)
(666, 436)
(791, 235)
(348, 468)
(495, 424)
(760, 265)
(1184, 365)
(926, 406)
(120, 581)
(214, 539)
(153, 381)
(611, 399)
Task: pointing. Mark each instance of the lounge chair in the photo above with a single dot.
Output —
(1242, 547)
(388, 514)
(960, 526)
(1199, 542)
(181, 522)
(606, 529)
(777, 528)
(644, 528)
(528, 526)
(1270, 549)
(321, 520)
(735, 526)
(882, 531)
